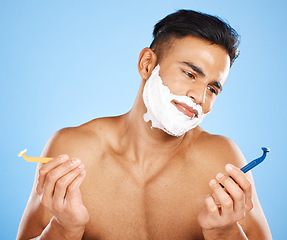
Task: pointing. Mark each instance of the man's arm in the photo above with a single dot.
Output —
(55, 209)
(227, 213)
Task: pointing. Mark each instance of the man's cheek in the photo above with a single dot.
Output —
(208, 106)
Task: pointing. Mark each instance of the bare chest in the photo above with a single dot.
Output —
(166, 207)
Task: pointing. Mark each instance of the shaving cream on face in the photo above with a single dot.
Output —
(162, 113)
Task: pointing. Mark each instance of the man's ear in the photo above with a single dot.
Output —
(147, 62)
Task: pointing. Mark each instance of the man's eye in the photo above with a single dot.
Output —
(214, 91)
(189, 74)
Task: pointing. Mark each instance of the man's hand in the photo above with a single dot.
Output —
(58, 187)
(226, 206)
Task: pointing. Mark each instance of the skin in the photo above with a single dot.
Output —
(121, 179)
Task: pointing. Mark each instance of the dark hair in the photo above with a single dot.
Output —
(187, 22)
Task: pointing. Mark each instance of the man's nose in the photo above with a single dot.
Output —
(197, 93)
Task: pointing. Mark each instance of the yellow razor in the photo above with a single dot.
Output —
(33, 159)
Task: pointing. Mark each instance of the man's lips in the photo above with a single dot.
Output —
(188, 111)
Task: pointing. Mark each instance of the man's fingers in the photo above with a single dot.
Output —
(241, 179)
(55, 174)
(47, 167)
(74, 188)
(212, 207)
(224, 199)
(63, 183)
(236, 193)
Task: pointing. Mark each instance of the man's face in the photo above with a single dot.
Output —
(195, 68)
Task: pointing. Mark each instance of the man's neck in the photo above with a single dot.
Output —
(148, 149)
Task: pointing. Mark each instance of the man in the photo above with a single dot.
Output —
(153, 173)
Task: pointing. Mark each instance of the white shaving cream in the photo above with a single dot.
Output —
(162, 113)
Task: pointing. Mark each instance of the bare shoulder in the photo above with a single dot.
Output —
(82, 141)
(220, 149)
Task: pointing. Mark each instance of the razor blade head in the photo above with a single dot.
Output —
(265, 149)
(22, 152)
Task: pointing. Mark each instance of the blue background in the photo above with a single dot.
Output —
(63, 63)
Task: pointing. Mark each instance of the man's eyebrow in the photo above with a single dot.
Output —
(195, 68)
(217, 84)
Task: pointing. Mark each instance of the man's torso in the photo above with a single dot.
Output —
(128, 201)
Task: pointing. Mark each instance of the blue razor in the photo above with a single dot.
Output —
(256, 161)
